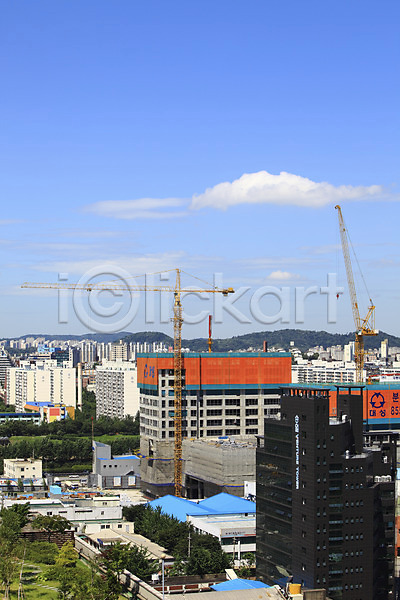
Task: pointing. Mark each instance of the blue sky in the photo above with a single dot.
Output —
(120, 121)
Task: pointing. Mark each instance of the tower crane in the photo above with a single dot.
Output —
(364, 326)
(177, 319)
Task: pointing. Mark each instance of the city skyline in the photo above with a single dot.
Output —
(217, 139)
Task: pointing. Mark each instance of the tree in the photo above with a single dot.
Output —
(112, 561)
(51, 524)
(22, 511)
(139, 562)
(200, 562)
(11, 525)
(64, 570)
(10, 548)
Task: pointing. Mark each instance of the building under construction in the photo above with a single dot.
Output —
(222, 465)
(223, 395)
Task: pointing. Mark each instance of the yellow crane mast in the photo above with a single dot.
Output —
(177, 290)
(364, 326)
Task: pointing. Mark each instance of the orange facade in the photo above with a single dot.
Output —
(219, 369)
(381, 404)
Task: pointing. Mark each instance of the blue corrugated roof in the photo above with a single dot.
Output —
(177, 507)
(221, 504)
(238, 584)
(226, 504)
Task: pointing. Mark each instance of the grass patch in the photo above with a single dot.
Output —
(34, 590)
(108, 438)
(14, 439)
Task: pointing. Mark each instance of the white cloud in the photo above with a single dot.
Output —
(261, 263)
(325, 249)
(135, 265)
(282, 189)
(251, 188)
(143, 208)
(282, 276)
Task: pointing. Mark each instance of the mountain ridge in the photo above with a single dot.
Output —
(302, 338)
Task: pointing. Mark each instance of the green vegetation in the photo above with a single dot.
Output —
(71, 452)
(6, 407)
(51, 524)
(206, 555)
(67, 445)
(303, 340)
(61, 574)
(44, 553)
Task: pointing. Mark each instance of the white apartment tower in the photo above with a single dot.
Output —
(42, 381)
(117, 394)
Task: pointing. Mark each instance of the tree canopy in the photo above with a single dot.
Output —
(205, 550)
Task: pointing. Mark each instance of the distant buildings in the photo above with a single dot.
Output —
(320, 372)
(5, 363)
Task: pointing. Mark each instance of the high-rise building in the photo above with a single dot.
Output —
(5, 363)
(325, 500)
(119, 351)
(117, 394)
(384, 349)
(348, 352)
(42, 381)
(223, 394)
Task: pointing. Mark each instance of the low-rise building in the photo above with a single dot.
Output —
(81, 512)
(230, 519)
(25, 417)
(19, 468)
(109, 471)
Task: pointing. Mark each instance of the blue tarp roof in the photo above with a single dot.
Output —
(177, 507)
(221, 504)
(226, 504)
(238, 584)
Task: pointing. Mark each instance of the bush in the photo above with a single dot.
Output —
(42, 552)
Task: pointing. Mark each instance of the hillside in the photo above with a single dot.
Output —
(303, 339)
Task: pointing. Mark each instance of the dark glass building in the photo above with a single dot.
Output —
(325, 501)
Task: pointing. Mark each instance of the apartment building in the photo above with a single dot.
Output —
(117, 394)
(42, 381)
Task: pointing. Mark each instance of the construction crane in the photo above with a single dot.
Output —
(364, 326)
(177, 290)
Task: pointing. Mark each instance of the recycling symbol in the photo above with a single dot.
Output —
(377, 400)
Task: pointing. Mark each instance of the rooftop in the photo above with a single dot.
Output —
(238, 584)
(221, 504)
